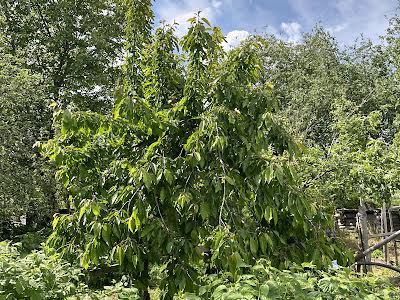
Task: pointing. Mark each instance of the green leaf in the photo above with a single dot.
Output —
(269, 173)
(121, 255)
(83, 210)
(134, 222)
(262, 240)
(264, 290)
(131, 224)
(96, 229)
(197, 156)
(163, 194)
(116, 231)
(169, 247)
(106, 233)
(55, 221)
(268, 239)
(66, 122)
(59, 159)
(279, 174)
(294, 173)
(230, 180)
(275, 215)
(85, 260)
(268, 215)
(114, 198)
(168, 176)
(205, 210)
(239, 261)
(206, 21)
(147, 179)
(184, 198)
(253, 246)
(96, 209)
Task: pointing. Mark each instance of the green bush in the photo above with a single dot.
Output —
(41, 275)
(109, 293)
(265, 282)
(30, 241)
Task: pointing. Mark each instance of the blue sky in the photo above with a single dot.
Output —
(345, 19)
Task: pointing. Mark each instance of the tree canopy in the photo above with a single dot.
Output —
(26, 183)
(75, 45)
(191, 160)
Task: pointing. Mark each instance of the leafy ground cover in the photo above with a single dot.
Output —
(305, 282)
(44, 275)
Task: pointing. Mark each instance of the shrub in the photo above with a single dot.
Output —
(42, 275)
(266, 282)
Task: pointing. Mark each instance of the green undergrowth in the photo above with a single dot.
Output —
(300, 282)
(42, 274)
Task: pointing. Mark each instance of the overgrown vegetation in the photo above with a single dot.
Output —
(301, 282)
(43, 275)
(208, 175)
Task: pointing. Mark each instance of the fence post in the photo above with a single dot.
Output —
(363, 232)
(394, 241)
(384, 229)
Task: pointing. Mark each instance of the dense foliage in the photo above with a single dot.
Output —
(26, 183)
(42, 275)
(74, 45)
(189, 171)
(343, 104)
(305, 282)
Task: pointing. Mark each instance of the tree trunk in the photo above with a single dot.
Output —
(145, 278)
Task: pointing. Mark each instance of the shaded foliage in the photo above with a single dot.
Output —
(44, 275)
(26, 183)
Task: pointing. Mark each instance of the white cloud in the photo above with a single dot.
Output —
(216, 4)
(180, 11)
(353, 16)
(291, 31)
(270, 30)
(345, 6)
(337, 28)
(234, 38)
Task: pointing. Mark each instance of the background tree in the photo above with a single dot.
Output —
(307, 79)
(26, 185)
(343, 104)
(74, 45)
(65, 51)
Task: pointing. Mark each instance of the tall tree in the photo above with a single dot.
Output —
(344, 104)
(26, 185)
(74, 45)
(195, 160)
(307, 80)
(65, 51)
